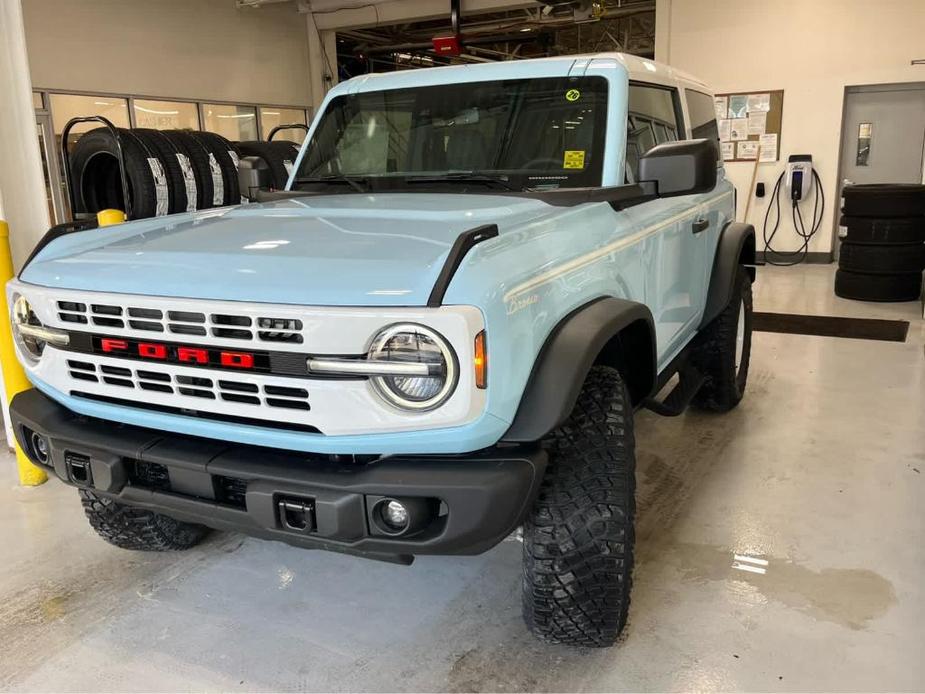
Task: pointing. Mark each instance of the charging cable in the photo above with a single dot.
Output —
(788, 258)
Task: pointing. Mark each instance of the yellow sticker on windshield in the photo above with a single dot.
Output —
(572, 95)
(574, 159)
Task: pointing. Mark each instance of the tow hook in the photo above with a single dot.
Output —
(297, 515)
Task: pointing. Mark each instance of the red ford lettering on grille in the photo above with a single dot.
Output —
(192, 355)
(176, 354)
(240, 360)
(110, 345)
(152, 351)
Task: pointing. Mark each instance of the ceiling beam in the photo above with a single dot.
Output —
(332, 15)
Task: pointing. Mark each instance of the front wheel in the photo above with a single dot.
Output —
(136, 528)
(578, 539)
(723, 350)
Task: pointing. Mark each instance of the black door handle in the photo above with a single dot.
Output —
(700, 225)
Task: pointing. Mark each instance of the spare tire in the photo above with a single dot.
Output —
(179, 188)
(198, 159)
(94, 164)
(890, 230)
(223, 163)
(867, 287)
(884, 200)
(280, 156)
(882, 259)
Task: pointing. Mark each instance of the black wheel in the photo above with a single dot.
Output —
(166, 153)
(578, 538)
(889, 230)
(884, 200)
(279, 156)
(723, 350)
(95, 175)
(223, 160)
(135, 528)
(882, 259)
(866, 287)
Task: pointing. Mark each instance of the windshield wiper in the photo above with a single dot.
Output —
(358, 183)
(465, 177)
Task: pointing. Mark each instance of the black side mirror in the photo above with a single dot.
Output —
(680, 168)
(253, 175)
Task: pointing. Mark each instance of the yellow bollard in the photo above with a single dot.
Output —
(106, 217)
(14, 378)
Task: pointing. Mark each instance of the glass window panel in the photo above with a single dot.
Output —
(67, 106)
(271, 116)
(37, 101)
(233, 122)
(166, 115)
(702, 111)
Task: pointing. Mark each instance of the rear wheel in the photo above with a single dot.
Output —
(578, 539)
(723, 350)
(135, 528)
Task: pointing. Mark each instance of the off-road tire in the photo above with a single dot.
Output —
(198, 159)
(882, 259)
(225, 155)
(95, 173)
(166, 152)
(868, 287)
(714, 354)
(884, 200)
(579, 536)
(882, 231)
(135, 528)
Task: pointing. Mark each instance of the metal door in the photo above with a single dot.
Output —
(884, 134)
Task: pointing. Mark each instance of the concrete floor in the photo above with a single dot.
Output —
(817, 473)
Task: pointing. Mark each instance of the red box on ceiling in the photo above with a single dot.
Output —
(447, 45)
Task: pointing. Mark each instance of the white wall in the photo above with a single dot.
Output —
(197, 49)
(812, 49)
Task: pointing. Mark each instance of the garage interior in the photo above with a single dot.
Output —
(778, 548)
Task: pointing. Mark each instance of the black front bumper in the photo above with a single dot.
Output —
(472, 501)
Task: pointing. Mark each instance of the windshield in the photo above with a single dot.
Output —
(519, 134)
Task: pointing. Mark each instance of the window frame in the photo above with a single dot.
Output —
(130, 99)
(677, 107)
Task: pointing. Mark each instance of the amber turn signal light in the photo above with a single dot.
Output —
(481, 362)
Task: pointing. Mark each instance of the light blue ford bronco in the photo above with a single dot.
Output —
(437, 334)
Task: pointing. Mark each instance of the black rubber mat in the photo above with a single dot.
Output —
(831, 326)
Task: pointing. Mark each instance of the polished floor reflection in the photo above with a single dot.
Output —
(781, 547)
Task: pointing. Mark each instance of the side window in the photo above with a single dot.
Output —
(653, 119)
(703, 117)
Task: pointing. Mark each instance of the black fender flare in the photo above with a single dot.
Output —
(615, 332)
(736, 247)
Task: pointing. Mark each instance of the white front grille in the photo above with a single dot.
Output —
(210, 385)
(225, 326)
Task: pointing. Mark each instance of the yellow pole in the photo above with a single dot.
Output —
(14, 378)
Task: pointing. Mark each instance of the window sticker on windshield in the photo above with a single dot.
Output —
(574, 159)
(572, 95)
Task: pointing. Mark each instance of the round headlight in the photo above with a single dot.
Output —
(426, 370)
(23, 314)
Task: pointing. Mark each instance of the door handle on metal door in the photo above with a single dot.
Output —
(700, 225)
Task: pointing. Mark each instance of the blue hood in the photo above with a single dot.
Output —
(333, 250)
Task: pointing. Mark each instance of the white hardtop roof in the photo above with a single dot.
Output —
(641, 69)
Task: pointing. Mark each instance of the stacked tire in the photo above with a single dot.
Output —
(882, 255)
(167, 171)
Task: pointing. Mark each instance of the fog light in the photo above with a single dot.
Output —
(394, 514)
(39, 447)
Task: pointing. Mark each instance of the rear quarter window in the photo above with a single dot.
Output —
(702, 114)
